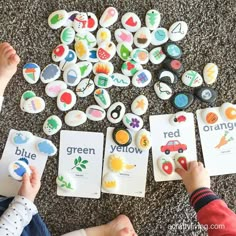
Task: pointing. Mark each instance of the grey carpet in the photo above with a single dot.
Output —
(211, 38)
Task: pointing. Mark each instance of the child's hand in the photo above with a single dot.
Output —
(30, 185)
(196, 176)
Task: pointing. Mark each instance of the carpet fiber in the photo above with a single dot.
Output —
(211, 38)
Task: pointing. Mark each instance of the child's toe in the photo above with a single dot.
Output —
(14, 59)
(10, 52)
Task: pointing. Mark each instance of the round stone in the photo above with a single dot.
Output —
(142, 78)
(57, 19)
(71, 58)
(122, 136)
(142, 38)
(103, 81)
(120, 80)
(31, 72)
(172, 50)
(95, 113)
(152, 19)
(80, 21)
(75, 118)
(143, 140)
(163, 90)
(106, 51)
(124, 50)
(116, 112)
(110, 182)
(67, 35)
(178, 118)
(72, 75)
(206, 94)
(50, 73)
(192, 79)
(82, 50)
(65, 182)
(140, 55)
(92, 22)
(131, 22)
(103, 34)
(182, 100)
(159, 36)
(53, 88)
(178, 30)
(228, 111)
(109, 17)
(157, 56)
(103, 68)
(210, 73)
(66, 99)
(87, 37)
(102, 98)
(25, 96)
(52, 125)
(166, 165)
(34, 105)
(173, 65)
(85, 68)
(18, 168)
(85, 87)
(167, 77)
(46, 147)
(140, 105)
(210, 116)
(130, 68)
(124, 36)
(60, 52)
(132, 121)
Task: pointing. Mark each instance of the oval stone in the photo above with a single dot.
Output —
(52, 125)
(116, 112)
(173, 65)
(206, 94)
(80, 21)
(140, 55)
(142, 38)
(31, 72)
(140, 105)
(103, 68)
(92, 22)
(95, 113)
(71, 75)
(157, 56)
(210, 73)
(182, 100)
(103, 81)
(57, 19)
(228, 111)
(22, 137)
(124, 36)
(131, 21)
(34, 105)
(130, 68)
(66, 99)
(159, 36)
(132, 121)
(106, 51)
(25, 96)
(152, 19)
(50, 73)
(65, 182)
(60, 52)
(120, 80)
(53, 88)
(103, 34)
(109, 17)
(86, 37)
(172, 50)
(75, 118)
(71, 58)
(124, 50)
(167, 77)
(85, 68)
(192, 79)
(142, 78)
(67, 35)
(102, 98)
(166, 165)
(110, 182)
(210, 116)
(18, 168)
(178, 30)
(82, 50)
(46, 147)
(85, 88)
(163, 90)
(122, 136)
(143, 140)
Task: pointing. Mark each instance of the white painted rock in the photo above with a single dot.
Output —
(72, 75)
(178, 30)
(106, 51)
(157, 56)
(143, 140)
(159, 36)
(75, 118)
(140, 105)
(87, 37)
(25, 96)
(46, 147)
(152, 19)
(166, 165)
(124, 50)
(34, 105)
(66, 99)
(142, 38)
(103, 81)
(31, 72)
(132, 121)
(140, 55)
(50, 73)
(131, 21)
(142, 78)
(120, 80)
(116, 112)
(181, 161)
(85, 88)
(178, 118)
(80, 21)
(192, 79)
(109, 17)
(71, 58)
(110, 182)
(67, 35)
(60, 52)
(124, 36)
(210, 73)
(22, 137)
(102, 98)
(85, 68)
(103, 68)
(57, 19)
(70, 19)
(18, 168)
(130, 68)
(163, 90)
(103, 34)
(93, 55)
(228, 111)
(52, 125)
(95, 113)
(82, 50)
(65, 182)
(92, 23)
(53, 88)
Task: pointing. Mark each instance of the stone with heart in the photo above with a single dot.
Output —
(178, 30)
(159, 36)
(124, 50)
(120, 80)
(31, 72)
(130, 68)
(140, 105)
(85, 87)
(50, 73)
(53, 88)
(152, 19)
(142, 38)
(140, 55)
(131, 22)
(132, 121)
(72, 75)
(102, 98)
(124, 36)
(106, 51)
(157, 56)
(52, 125)
(142, 78)
(75, 118)
(95, 113)
(60, 52)
(109, 17)
(163, 90)
(103, 81)
(57, 19)
(116, 112)
(192, 79)
(66, 99)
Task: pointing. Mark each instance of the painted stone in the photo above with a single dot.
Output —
(142, 78)
(124, 50)
(103, 81)
(130, 68)
(192, 79)
(106, 51)
(142, 38)
(34, 105)
(116, 163)
(210, 116)
(178, 30)
(120, 80)
(182, 100)
(82, 50)
(166, 165)
(228, 111)
(131, 22)
(210, 73)
(80, 21)
(18, 168)
(31, 72)
(87, 37)
(60, 52)
(103, 34)
(66, 99)
(22, 137)
(71, 75)
(157, 56)
(206, 94)
(52, 89)
(92, 22)
(25, 96)
(75, 118)
(152, 19)
(116, 112)
(122, 136)
(103, 68)
(65, 182)
(140, 105)
(124, 36)
(181, 161)
(109, 17)
(172, 50)
(163, 90)
(143, 140)
(85, 88)
(67, 35)
(70, 19)
(167, 77)
(85, 68)
(178, 118)
(132, 121)
(110, 182)
(173, 65)
(46, 147)
(71, 58)
(102, 98)
(159, 36)
(50, 73)
(57, 19)
(52, 125)
(93, 55)
(95, 113)
(140, 55)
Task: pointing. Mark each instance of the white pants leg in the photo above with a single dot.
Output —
(76, 233)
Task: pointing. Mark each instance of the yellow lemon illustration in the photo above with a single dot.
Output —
(80, 49)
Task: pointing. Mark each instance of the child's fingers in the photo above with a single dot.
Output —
(34, 176)
(25, 180)
(192, 164)
(180, 172)
(200, 164)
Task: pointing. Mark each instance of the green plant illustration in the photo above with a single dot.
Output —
(63, 183)
(80, 164)
(152, 17)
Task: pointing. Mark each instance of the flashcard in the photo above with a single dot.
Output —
(124, 168)
(218, 139)
(80, 164)
(21, 150)
(174, 144)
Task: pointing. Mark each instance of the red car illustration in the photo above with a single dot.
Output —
(173, 146)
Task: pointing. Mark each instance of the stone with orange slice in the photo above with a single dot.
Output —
(122, 136)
